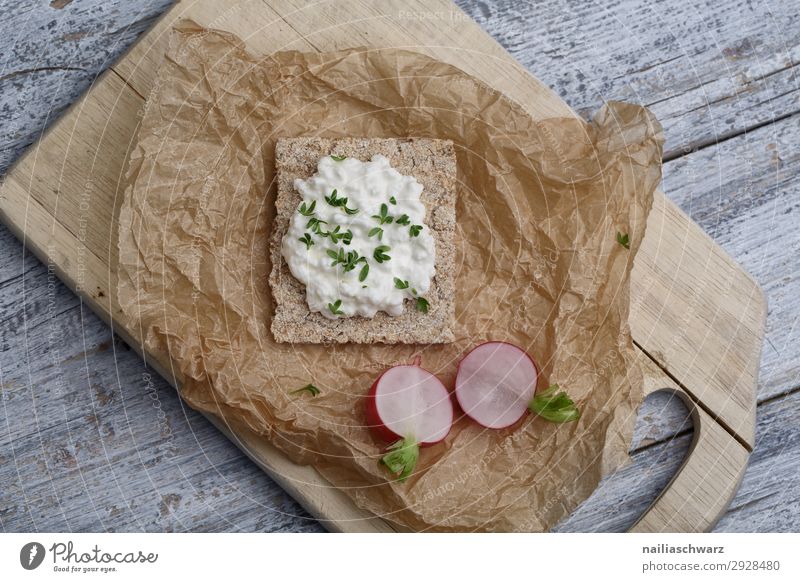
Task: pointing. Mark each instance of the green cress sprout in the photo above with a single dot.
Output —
(555, 407)
(306, 239)
(420, 302)
(310, 388)
(314, 225)
(380, 253)
(402, 458)
(383, 217)
(339, 203)
(307, 210)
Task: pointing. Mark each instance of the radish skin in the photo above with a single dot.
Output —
(409, 407)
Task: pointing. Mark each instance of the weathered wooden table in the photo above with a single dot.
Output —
(93, 441)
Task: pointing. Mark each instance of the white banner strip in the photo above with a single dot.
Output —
(400, 558)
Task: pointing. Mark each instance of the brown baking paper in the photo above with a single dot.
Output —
(539, 207)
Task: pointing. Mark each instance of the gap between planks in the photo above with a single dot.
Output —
(695, 400)
(703, 144)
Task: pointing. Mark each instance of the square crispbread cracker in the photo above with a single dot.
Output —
(432, 163)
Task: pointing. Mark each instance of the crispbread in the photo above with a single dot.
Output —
(432, 163)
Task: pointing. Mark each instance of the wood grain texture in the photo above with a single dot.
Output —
(701, 489)
(51, 56)
(661, 426)
(767, 500)
(708, 70)
(94, 441)
(750, 198)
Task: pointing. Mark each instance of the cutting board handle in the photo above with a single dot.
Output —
(703, 487)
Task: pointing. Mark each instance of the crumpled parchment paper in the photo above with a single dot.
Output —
(540, 204)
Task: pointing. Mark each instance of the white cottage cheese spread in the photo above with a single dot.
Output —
(358, 241)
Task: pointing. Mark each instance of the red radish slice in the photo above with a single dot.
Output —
(495, 383)
(410, 407)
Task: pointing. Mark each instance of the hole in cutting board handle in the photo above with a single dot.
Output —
(661, 440)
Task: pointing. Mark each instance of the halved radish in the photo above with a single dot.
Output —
(495, 383)
(411, 408)
(496, 386)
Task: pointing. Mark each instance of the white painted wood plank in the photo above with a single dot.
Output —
(49, 57)
(707, 69)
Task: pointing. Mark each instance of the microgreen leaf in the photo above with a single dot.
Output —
(415, 230)
(332, 200)
(338, 158)
(346, 237)
(362, 275)
(352, 260)
(348, 260)
(422, 304)
(310, 388)
(404, 219)
(334, 307)
(376, 231)
(337, 256)
(402, 458)
(314, 226)
(380, 253)
(383, 217)
(400, 284)
(306, 239)
(624, 240)
(334, 255)
(555, 407)
(393, 200)
(308, 210)
(339, 202)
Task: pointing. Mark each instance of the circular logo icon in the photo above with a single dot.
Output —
(31, 555)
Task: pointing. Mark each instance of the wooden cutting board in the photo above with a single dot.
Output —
(696, 317)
